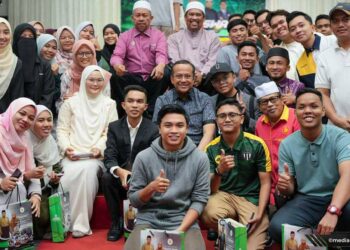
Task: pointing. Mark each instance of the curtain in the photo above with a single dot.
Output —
(55, 13)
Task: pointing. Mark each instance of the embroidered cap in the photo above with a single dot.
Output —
(142, 5)
(195, 5)
(265, 89)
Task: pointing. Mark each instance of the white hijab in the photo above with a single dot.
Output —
(45, 150)
(8, 62)
(90, 116)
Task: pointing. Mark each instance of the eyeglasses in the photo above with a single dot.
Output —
(272, 99)
(84, 54)
(181, 76)
(231, 116)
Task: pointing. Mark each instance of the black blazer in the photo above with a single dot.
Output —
(118, 151)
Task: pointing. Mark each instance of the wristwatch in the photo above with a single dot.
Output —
(334, 210)
(217, 172)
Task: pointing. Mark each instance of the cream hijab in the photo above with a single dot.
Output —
(8, 62)
(90, 114)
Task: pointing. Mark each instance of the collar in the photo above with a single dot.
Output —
(315, 46)
(138, 33)
(137, 126)
(284, 116)
(238, 144)
(190, 95)
(319, 139)
(285, 81)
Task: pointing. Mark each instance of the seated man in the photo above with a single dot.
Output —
(277, 67)
(195, 44)
(170, 182)
(125, 139)
(314, 166)
(240, 176)
(247, 58)
(277, 122)
(223, 81)
(140, 55)
(196, 103)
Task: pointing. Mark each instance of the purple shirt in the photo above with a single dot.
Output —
(140, 52)
(289, 85)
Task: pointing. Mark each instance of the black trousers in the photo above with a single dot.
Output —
(114, 194)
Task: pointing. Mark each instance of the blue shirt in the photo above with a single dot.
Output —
(198, 107)
(315, 164)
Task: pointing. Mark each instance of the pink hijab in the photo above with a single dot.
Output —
(15, 149)
(76, 70)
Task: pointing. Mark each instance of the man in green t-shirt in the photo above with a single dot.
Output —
(240, 175)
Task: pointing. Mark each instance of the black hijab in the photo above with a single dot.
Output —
(107, 50)
(26, 50)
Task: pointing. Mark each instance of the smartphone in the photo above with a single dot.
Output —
(17, 173)
(128, 179)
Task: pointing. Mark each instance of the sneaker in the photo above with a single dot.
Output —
(115, 232)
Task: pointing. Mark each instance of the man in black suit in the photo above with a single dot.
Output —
(125, 139)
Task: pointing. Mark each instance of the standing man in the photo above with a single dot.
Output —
(247, 58)
(277, 67)
(196, 103)
(302, 30)
(240, 176)
(141, 55)
(314, 166)
(279, 25)
(125, 139)
(170, 182)
(277, 122)
(333, 69)
(195, 44)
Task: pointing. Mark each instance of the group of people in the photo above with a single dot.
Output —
(185, 127)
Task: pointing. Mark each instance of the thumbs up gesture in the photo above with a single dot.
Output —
(285, 182)
(161, 183)
(227, 162)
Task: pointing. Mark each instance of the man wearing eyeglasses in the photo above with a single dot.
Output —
(240, 175)
(196, 103)
(277, 122)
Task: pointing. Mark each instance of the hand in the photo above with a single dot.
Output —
(35, 173)
(96, 153)
(288, 98)
(161, 183)
(177, 28)
(70, 154)
(54, 69)
(243, 74)
(227, 162)
(254, 223)
(123, 175)
(66, 96)
(94, 40)
(285, 183)
(158, 72)
(120, 69)
(8, 183)
(35, 200)
(253, 39)
(54, 178)
(197, 78)
(239, 99)
(255, 30)
(343, 123)
(327, 224)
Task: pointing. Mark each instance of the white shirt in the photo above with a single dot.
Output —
(333, 73)
(295, 50)
(132, 133)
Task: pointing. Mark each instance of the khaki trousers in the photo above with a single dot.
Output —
(224, 205)
(193, 239)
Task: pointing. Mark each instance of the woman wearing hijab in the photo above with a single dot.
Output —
(11, 76)
(111, 33)
(64, 57)
(39, 84)
(46, 154)
(16, 153)
(83, 55)
(82, 133)
(39, 27)
(86, 30)
(47, 50)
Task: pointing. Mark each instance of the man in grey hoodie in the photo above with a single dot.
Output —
(170, 182)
